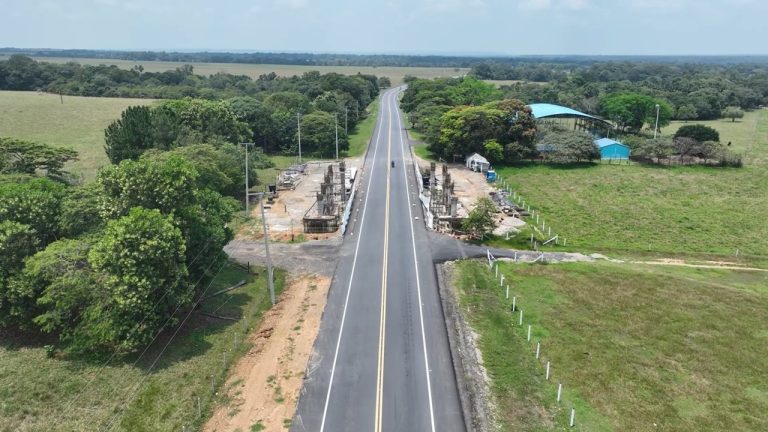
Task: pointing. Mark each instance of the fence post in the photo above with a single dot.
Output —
(529, 332)
(546, 376)
(573, 416)
(559, 391)
(521, 317)
(538, 349)
(507, 292)
(199, 408)
(514, 300)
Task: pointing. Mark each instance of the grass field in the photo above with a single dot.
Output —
(638, 348)
(395, 73)
(681, 210)
(78, 123)
(38, 393)
(361, 136)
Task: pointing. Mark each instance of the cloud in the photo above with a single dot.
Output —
(292, 4)
(452, 5)
(575, 4)
(657, 4)
(535, 4)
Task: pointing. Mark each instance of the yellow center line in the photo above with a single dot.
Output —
(383, 319)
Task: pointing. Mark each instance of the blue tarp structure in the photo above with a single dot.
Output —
(610, 149)
(545, 110)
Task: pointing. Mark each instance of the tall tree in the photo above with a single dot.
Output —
(130, 136)
(687, 112)
(140, 260)
(36, 203)
(632, 110)
(17, 242)
(733, 113)
(480, 220)
(25, 157)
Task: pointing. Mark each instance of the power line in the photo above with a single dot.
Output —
(113, 423)
(114, 353)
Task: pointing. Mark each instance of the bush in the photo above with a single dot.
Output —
(699, 132)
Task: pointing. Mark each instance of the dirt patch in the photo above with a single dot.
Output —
(285, 215)
(263, 388)
(468, 187)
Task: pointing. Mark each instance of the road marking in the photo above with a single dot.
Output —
(378, 417)
(418, 284)
(349, 287)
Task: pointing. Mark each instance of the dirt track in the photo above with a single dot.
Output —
(263, 388)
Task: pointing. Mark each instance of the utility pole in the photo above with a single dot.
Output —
(336, 118)
(247, 188)
(298, 124)
(266, 249)
(656, 128)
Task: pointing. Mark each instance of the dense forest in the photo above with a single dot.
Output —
(693, 91)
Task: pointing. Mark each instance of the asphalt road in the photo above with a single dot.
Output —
(382, 360)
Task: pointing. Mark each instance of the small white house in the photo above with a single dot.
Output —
(475, 162)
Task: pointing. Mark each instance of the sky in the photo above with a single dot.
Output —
(504, 27)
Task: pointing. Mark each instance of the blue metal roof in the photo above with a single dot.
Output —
(605, 142)
(543, 110)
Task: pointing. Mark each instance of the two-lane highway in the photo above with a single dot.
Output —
(381, 360)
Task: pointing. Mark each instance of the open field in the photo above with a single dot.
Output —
(681, 210)
(395, 73)
(741, 134)
(78, 123)
(637, 348)
(38, 393)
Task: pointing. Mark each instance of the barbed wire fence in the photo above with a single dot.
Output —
(526, 327)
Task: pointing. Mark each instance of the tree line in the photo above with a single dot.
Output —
(691, 91)
(23, 73)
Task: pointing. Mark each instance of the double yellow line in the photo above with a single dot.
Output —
(383, 320)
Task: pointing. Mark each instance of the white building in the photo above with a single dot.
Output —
(475, 162)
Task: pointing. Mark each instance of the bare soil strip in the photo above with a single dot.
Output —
(263, 388)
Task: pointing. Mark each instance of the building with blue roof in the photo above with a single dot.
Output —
(543, 111)
(612, 149)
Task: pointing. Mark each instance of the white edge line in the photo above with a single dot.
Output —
(352, 274)
(418, 284)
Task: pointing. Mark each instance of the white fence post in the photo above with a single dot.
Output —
(559, 391)
(546, 377)
(521, 317)
(573, 416)
(529, 332)
(538, 349)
